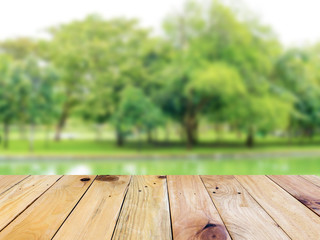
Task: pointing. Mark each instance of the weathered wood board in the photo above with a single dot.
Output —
(145, 212)
(44, 217)
(97, 212)
(312, 178)
(18, 198)
(6, 182)
(242, 215)
(193, 214)
(292, 216)
(159, 207)
(303, 190)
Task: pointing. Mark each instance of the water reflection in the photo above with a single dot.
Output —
(73, 167)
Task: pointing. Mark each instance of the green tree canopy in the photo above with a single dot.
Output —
(136, 111)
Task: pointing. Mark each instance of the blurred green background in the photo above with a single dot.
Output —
(216, 93)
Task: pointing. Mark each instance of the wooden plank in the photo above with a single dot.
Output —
(193, 213)
(145, 213)
(303, 190)
(294, 218)
(96, 214)
(242, 215)
(312, 178)
(19, 197)
(8, 181)
(43, 218)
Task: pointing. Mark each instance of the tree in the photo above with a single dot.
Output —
(264, 113)
(12, 92)
(215, 35)
(97, 58)
(209, 91)
(297, 73)
(135, 111)
(19, 48)
(40, 97)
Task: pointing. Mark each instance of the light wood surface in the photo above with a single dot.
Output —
(303, 190)
(193, 214)
(97, 213)
(145, 212)
(242, 215)
(159, 207)
(312, 178)
(6, 182)
(20, 196)
(42, 219)
(292, 216)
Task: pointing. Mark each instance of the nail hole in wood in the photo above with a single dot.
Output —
(85, 179)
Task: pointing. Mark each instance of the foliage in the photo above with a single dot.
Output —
(212, 63)
(136, 112)
(297, 72)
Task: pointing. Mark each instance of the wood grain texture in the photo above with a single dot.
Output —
(193, 213)
(20, 196)
(145, 212)
(8, 181)
(96, 214)
(293, 217)
(303, 190)
(242, 215)
(43, 218)
(312, 178)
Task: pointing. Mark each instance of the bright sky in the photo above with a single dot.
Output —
(295, 21)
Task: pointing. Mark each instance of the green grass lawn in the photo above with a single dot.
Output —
(86, 145)
(108, 148)
(173, 158)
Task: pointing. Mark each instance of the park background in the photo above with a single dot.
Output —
(214, 90)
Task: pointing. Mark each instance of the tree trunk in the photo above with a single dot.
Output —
(191, 127)
(22, 130)
(167, 133)
(98, 132)
(250, 138)
(31, 137)
(6, 131)
(149, 136)
(239, 134)
(61, 123)
(217, 128)
(47, 137)
(155, 136)
(120, 137)
(181, 134)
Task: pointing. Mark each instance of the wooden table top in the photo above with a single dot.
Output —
(159, 207)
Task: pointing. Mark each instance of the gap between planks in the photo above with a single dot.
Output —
(101, 201)
(293, 217)
(42, 219)
(242, 215)
(196, 223)
(145, 210)
(7, 182)
(21, 196)
(301, 189)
